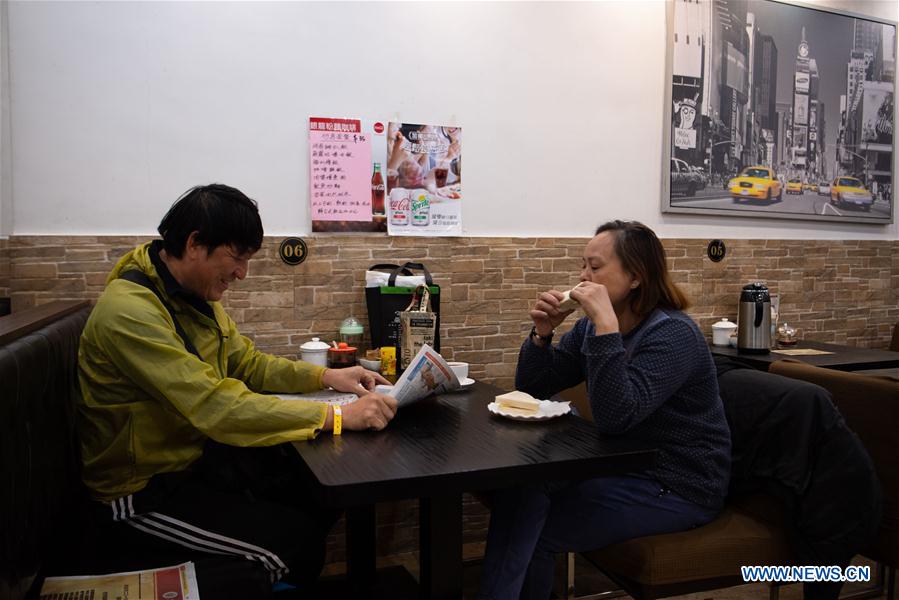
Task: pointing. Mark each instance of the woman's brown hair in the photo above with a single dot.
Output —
(643, 256)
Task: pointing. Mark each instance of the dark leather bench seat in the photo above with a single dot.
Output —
(45, 528)
(40, 493)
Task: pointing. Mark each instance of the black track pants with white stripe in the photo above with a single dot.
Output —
(241, 506)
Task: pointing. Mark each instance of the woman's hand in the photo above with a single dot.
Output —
(397, 153)
(352, 379)
(594, 299)
(546, 314)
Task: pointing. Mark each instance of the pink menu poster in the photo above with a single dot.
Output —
(339, 170)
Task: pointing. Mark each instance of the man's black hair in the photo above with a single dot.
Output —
(220, 214)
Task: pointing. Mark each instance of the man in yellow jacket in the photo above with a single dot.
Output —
(180, 447)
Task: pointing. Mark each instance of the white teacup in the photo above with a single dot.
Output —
(460, 369)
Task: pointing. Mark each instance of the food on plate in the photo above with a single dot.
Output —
(373, 354)
(519, 403)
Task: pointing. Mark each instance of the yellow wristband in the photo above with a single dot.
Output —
(338, 420)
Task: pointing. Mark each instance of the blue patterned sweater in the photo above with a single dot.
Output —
(657, 384)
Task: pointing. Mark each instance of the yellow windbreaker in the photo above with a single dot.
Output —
(148, 405)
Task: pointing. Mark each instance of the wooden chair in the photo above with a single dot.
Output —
(709, 557)
(870, 406)
(749, 530)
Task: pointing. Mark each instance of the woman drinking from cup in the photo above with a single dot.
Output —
(649, 377)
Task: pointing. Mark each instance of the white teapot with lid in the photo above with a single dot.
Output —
(315, 352)
(721, 332)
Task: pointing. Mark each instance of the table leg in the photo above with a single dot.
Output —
(360, 548)
(440, 541)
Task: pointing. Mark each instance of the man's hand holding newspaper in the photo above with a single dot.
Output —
(427, 374)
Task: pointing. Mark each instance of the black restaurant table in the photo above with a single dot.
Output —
(843, 358)
(435, 450)
(894, 372)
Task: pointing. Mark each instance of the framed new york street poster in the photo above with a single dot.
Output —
(779, 109)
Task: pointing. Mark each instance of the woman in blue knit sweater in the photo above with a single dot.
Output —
(649, 377)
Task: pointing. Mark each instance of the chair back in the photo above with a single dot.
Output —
(769, 415)
(870, 407)
(578, 398)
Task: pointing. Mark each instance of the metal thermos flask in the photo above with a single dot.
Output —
(754, 320)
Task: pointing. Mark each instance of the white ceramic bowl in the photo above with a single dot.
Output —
(371, 365)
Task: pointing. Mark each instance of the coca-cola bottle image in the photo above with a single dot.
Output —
(377, 192)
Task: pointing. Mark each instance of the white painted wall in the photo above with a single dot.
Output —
(5, 153)
(118, 107)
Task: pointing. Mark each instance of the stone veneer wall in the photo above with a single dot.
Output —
(4, 267)
(834, 291)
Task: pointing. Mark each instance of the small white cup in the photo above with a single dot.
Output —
(460, 369)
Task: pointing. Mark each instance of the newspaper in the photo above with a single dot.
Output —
(328, 396)
(427, 374)
(802, 352)
(178, 582)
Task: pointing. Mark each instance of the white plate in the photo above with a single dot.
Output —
(464, 384)
(548, 410)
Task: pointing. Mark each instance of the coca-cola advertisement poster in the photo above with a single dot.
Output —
(424, 180)
(347, 180)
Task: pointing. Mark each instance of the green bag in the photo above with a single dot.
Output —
(384, 304)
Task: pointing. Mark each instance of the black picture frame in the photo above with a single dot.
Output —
(804, 92)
